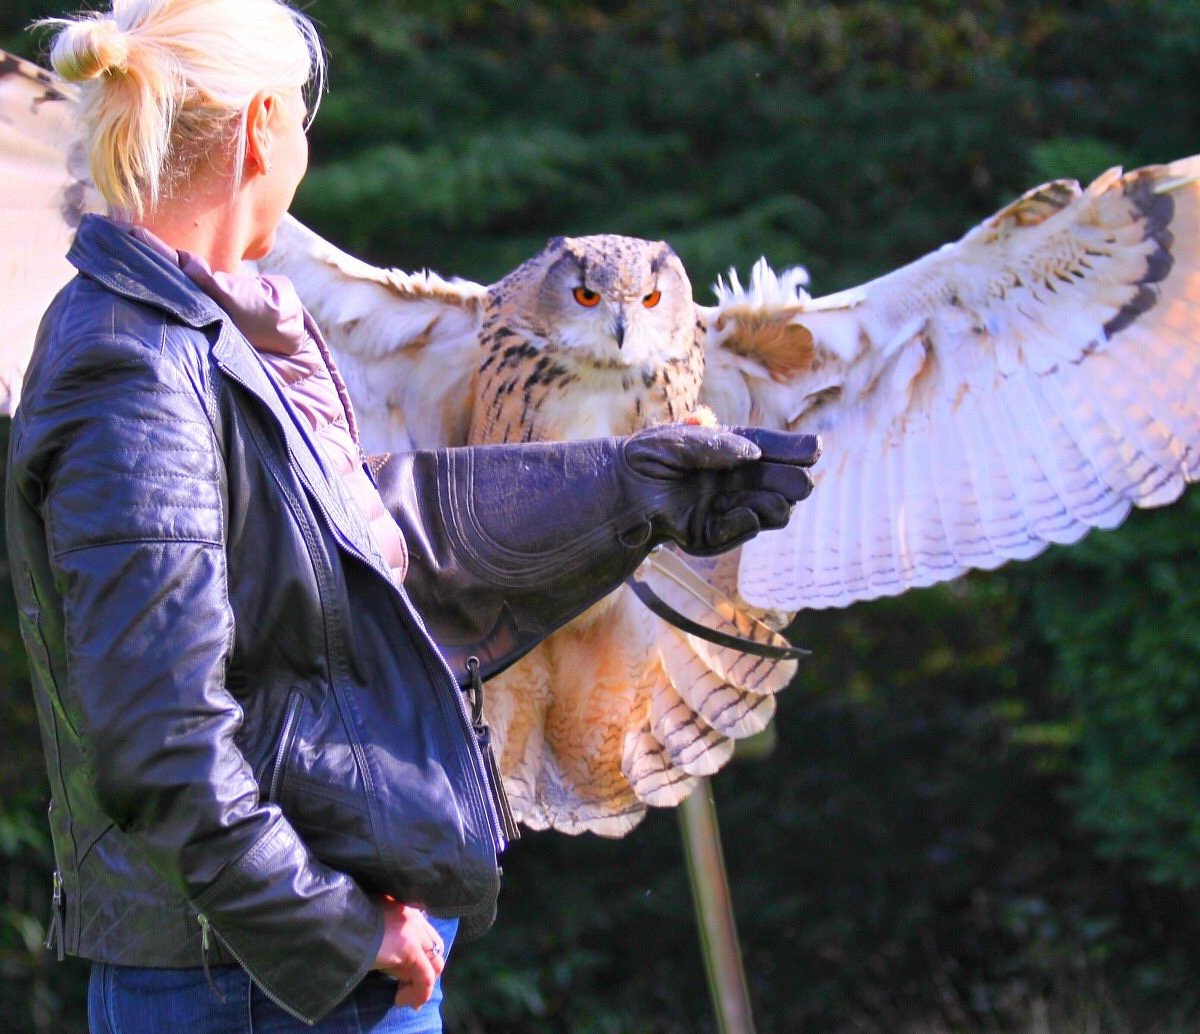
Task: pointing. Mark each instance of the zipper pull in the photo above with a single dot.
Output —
(474, 691)
(202, 919)
(365, 460)
(54, 935)
(511, 830)
(483, 734)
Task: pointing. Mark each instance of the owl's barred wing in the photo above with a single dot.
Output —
(407, 344)
(44, 190)
(1030, 382)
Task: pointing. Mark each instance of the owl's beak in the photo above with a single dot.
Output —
(619, 329)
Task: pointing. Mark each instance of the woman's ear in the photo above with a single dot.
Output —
(259, 135)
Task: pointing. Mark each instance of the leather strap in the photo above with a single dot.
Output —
(657, 605)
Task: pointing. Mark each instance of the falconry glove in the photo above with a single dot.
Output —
(708, 490)
(507, 543)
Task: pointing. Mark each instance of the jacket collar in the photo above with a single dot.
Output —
(103, 251)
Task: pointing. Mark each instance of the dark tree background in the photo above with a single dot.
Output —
(981, 810)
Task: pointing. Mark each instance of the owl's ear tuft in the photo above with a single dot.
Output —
(663, 254)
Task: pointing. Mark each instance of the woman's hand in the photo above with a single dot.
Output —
(412, 952)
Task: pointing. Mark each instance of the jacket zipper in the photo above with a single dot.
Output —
(54, 935)
(285, 742)
(484, 793)
(484, 735)
(204, 946)
(205, 929)
(500, 841)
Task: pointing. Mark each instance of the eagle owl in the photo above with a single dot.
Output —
(604, 318)
(598, 336)
(1029, 382)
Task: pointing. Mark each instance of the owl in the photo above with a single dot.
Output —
(1023, 385)
(606, 319)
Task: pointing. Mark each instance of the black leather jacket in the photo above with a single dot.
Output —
(238, 706)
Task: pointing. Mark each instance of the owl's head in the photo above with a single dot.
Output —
(619, 302)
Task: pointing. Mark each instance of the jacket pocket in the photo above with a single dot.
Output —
(287, 734)
(86, 843)
(317, 783)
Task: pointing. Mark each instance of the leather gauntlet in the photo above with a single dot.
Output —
(509, 542)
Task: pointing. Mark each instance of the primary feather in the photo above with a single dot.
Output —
(45, 190)
(1029, 382)
(1032, 381)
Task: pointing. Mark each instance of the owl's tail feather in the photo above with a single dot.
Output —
(673, 579)
(706, 694)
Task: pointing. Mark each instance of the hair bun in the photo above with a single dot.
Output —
(89, 49)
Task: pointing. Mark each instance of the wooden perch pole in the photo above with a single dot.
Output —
(714, 912)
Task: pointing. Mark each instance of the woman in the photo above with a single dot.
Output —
(265, 783)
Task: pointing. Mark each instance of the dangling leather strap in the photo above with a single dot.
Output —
(657, 605)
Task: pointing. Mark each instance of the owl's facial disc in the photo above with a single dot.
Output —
(619, 300)
(613, 332)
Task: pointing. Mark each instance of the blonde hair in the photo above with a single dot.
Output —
(164, 85)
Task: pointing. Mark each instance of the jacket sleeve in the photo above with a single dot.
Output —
(507, 543)
(128, 474)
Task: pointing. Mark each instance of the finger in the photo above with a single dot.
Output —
(720, 450)
(424, 976)
(407, 995)
(783, 446)
(416, 984)
(795, 483)
(772, 509)
(436, 954)
(434, 946)
(726, 530)
(668, 452)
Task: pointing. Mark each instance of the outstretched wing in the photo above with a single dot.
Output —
(44, 189)
(1030, 382)
(407, 344)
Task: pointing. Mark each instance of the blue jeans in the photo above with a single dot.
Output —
(139, 1000)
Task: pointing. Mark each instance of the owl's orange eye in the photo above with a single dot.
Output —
(652, 299)
(585, 297)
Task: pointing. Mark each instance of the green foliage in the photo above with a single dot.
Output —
(981, 810)
(35, 995)
(1122, 616)
(1082, 158)
(849, 136)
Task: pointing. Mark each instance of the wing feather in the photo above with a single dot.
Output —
(673, 578)
(44, 190)
(848, 525)
(407, 344)
(653, 776)
(725, 709)
(1097, 505)
(688, 738)
(1032, 381)
(925, 535)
